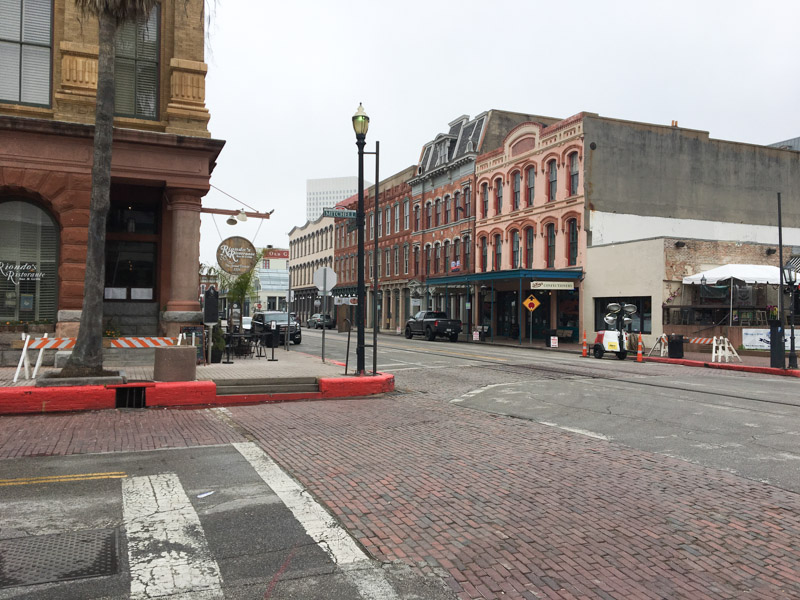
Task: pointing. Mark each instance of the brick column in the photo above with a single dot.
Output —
(183, 306)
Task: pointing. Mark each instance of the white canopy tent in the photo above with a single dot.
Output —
(744, 273)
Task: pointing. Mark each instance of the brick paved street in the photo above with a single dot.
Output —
(509, 508)
(498, 507)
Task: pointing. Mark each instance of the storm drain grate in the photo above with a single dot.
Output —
(58, 557)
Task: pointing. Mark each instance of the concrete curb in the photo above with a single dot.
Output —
(724, 366)
(178, 394)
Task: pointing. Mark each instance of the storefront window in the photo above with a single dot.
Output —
(641, 320)
(28, 263)
(130, 270)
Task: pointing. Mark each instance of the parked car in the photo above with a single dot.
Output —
(433, 324)
(319, 320)
(262, 322)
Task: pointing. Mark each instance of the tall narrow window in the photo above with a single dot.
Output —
(428, 215)
(427, 260)
(515, 250)
(446, 258)
(529, 248)
(136, 68)
(25, 40)
(467, 253)
(405, 259)
(485, 200)
(371, 226)
(456, 256)
(552, 180)
(388, 257)
(416, 218)
(396, 218)
(550, 231)
(416, 261)
(438, 212)
(406, 208)
(498, 196)
(437, 258)
(467, 203)
(573, 174)
(380, 225)
(498, 252)
(531, 174)
(484, 253)
(457, 208)
(448, 206)
(517, 186)
(572, 227)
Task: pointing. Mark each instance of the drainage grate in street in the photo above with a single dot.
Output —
(58, 557)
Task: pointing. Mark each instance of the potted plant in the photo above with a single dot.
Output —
(217, 344)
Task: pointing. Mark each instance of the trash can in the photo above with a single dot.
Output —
(777, 346)
(675, 346)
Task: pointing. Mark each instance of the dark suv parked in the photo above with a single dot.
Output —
(317, 320)
(262, 322)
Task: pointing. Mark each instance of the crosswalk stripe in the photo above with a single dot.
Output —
(167, 549)
(320, 526)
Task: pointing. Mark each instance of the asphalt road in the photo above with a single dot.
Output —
(747, 424)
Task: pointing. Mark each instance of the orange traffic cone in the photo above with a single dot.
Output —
(639, 357)
(585, 352)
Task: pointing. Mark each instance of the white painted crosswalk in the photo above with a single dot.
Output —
(167, 550)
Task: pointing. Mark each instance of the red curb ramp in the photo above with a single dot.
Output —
(725, 366)
(178, 394)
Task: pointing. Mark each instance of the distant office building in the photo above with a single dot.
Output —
(326, 193)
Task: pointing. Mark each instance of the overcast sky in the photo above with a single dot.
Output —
(284, 79)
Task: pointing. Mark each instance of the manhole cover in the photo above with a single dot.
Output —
(58, 557)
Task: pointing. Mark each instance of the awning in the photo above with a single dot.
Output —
(745, 273)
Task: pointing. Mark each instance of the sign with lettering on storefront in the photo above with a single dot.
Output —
(236, 256)
(552, 285)
(16, 273)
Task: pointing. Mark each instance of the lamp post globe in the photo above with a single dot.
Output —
(360, 126)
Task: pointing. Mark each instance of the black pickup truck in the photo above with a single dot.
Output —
(433, 324)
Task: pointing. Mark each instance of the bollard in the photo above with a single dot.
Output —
(585, 351)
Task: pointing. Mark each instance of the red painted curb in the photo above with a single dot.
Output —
(28, 400)
(725, 366)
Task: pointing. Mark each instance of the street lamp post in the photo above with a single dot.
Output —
(360, 126)
(790, 276)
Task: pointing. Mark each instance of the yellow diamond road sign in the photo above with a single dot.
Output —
(531, 303)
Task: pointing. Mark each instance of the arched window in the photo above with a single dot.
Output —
(550, 232)
(531, 181)
(552, 180)
(573, 174)
(485, 200)
(456, 255)
(428, 215)
(529, 248)
(515, 250)
(448, 206)
(498, 196)
(572, 251)
(467, 203)
(416, 218)
(28, 266)
(416, 260)
(427, 260)
(484, 253)
(437, 258)
(388, 214)
(446, 258)
(457, 208)
(467, 252)
(517, 186)
(498, 252)
(405, 214)
(438, 212)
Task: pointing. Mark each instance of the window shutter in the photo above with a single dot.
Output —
(35, 75)
(124, 86)
(10, 20)
(9, 67)
(36, 22)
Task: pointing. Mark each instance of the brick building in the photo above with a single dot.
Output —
(310, 247)
(162, 161)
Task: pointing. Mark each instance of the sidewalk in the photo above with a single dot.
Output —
(294, 365)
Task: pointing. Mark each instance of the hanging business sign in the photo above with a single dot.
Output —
(552, 285)
(236, 256)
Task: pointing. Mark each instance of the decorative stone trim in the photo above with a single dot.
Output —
(175, 316)
(69, 316)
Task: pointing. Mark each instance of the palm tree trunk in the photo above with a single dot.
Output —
(87, 356)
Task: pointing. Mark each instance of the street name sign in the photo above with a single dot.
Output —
(338, 213)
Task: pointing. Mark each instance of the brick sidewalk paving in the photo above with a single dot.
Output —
(510, 508)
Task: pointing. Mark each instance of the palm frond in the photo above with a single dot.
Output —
(121, 10)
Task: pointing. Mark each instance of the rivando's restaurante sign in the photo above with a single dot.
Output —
(236, 255)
